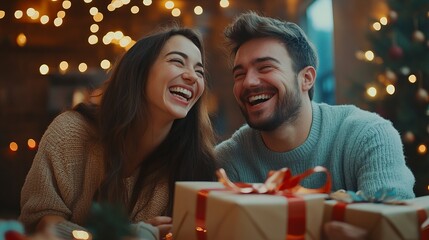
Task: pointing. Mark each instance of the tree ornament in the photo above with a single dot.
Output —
(422, 95)
(405, 70)
(408, 137)
(391, 75)
(396, 52)
(393, 16)
(418, 36)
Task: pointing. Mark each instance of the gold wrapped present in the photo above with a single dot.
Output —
(384, 221)
(224, 210)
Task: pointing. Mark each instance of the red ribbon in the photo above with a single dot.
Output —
(278, 183)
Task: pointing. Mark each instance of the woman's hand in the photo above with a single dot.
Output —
(163, 223)
(344, 231)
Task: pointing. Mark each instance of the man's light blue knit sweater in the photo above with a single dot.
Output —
(361, 150)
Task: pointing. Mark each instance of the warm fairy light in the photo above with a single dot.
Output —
(117, 4)
(61, 14)
(80, 235)
(35, 15)
(44, 19)
(383, 21)
(58, 22)
(176, 12)
(66, 4)
(63, 66)
(371, 91)
(198, 10)
(412, 78)
(376, 26)
(169, 4)
(43, 69)
(13, 146)
(94, 28)
(134, 9)
(31, 143)
(422, 149)
(125, 2)
(147, 2)
(118, 35)
(98, 17)
(110, 7)
(390, 89)
(21, 40)
(82, 67)
(87, 1)
(30, 12)
(107, 39)
(93, 11)
(2, 14)
(369, 55)
(105, 64)
(224, 3)
(18, 14)
(93, 39)
(124, 41)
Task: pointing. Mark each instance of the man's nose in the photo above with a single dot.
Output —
(251, 79)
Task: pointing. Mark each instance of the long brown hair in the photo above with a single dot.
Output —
(187, 152)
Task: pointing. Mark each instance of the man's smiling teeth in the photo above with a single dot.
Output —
(253, 100)
(182, 92)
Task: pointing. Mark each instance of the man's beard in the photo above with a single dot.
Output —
(286, 111)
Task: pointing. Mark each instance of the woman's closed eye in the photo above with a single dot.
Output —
(177, 60)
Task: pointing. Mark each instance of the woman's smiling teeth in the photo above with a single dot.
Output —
(181, 92)
(253, 100)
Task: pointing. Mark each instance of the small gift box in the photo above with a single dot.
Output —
(223, 210)
(384, 219)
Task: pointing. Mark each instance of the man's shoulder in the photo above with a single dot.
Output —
(350, 114)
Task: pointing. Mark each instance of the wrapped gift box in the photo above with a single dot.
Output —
(229, 215)
(383, 221)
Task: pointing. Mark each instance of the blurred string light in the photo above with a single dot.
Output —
(118, 38)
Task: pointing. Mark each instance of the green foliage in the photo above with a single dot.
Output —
(108, 222)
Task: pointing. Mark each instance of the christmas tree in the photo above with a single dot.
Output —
(399, 84)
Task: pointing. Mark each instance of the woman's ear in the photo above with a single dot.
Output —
(308, 78)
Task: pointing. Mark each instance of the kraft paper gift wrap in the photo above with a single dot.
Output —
(240, 216)
(384, 221)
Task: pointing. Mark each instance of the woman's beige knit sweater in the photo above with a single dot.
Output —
(66, 172)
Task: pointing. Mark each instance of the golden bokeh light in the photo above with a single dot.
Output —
(66, 4)
(44, 19)
(383, 21)
(176, 12)
(169, 4)
(105, 64)
(134, 9)
(369, 55)
(412, 78)
(2, 14)
(82, 67)
(31, 143)
(92, 39)
(13, 146)
(58, 22)
(198, 10)
(376, 26)
(371, 91)
(93, 11)
(18, 14)
(21, 40)
(44, 69)
(63, 66)
(80, 235)
(224, 3)
(61, 14)
(422, 149)
(147, 2)
(98, 17)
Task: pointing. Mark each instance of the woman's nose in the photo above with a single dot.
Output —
(190, 76)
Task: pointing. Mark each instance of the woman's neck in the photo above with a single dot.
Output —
(143, 142)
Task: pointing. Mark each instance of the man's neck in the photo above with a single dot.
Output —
(291, 135)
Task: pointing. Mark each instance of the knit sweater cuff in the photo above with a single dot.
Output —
(64, 229)
(145, 231)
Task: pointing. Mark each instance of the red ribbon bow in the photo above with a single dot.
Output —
(278, 181)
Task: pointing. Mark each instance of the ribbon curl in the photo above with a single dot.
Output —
(277, 182)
